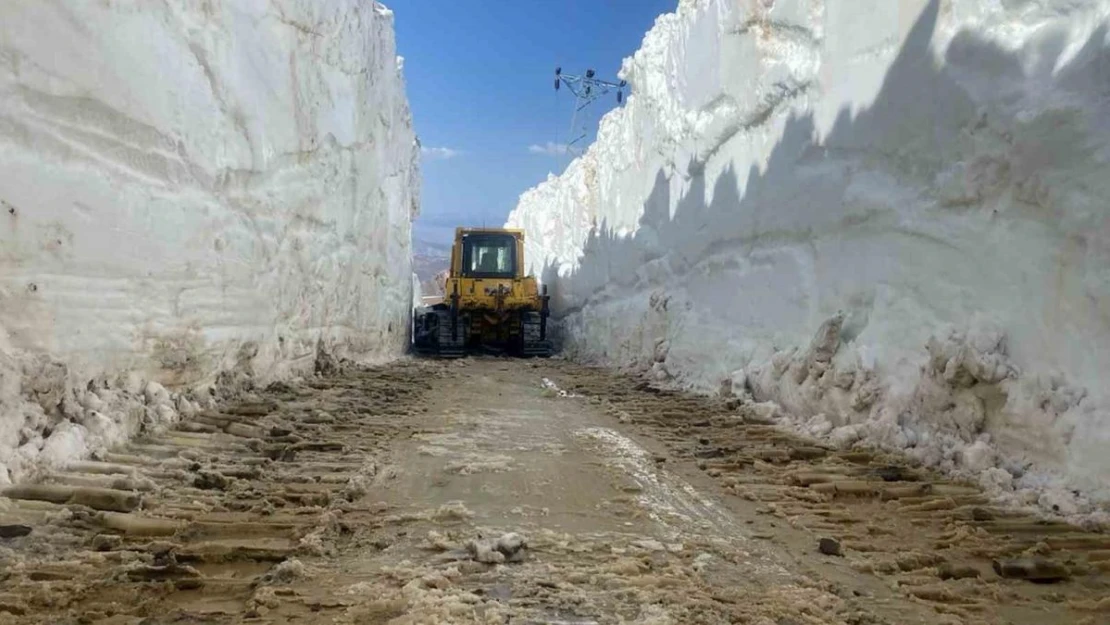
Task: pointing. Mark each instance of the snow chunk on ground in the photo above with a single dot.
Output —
(507, 548)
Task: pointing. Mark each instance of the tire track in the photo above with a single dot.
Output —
(201, 522)
(935, 542)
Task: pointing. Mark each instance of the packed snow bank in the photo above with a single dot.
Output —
(887, 217)
(190, 189)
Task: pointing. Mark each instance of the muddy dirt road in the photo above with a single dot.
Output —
(507, 491)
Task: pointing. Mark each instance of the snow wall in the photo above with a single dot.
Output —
(191, 194)
(889, 217)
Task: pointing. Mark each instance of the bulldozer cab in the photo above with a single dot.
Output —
(487, 255)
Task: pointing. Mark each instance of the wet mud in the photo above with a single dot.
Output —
(507, 491)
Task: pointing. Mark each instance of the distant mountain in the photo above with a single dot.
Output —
(428, 259)
(426, 267)
(423, 247)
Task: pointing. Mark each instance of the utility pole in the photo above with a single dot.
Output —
(586, 88)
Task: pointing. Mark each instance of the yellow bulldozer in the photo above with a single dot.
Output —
(488, 303)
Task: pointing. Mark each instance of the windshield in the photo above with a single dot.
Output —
(489, 256)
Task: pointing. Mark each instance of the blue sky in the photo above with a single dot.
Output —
(480, 81)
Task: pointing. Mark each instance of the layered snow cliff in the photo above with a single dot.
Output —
(890, 218)
(190, 190)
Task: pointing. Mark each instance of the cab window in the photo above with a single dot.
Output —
(489, 256)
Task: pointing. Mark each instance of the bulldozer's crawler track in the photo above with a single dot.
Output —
(452, 335)
(436, 338)
(440, 340)
(535, 342)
